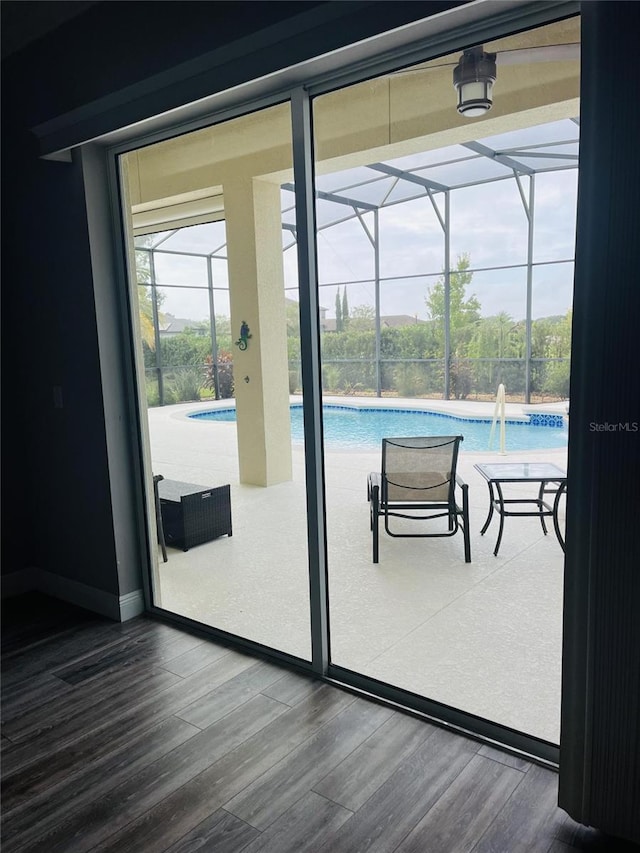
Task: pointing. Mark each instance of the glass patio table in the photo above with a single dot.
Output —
(497, 474)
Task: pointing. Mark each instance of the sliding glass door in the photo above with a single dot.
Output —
(309, 278)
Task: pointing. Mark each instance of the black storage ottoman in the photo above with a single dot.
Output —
(192, 514)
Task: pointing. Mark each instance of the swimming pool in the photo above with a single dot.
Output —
(346, 427)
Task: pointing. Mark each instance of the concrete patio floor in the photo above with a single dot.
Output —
(484, 637)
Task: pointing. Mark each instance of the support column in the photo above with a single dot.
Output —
(256, 289)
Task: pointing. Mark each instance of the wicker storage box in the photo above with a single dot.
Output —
(192, 514)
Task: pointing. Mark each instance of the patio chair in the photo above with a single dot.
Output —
(418, 482)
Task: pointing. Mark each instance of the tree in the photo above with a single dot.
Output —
(551, 339)
(223, 331)
(145, 294)
(292, 310)
(498, 337)
(464, 313)
(345, 309)
(362, 317)
(145, 310)
(339, 325)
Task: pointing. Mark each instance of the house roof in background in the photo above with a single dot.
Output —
(171, 325)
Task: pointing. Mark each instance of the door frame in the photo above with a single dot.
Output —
(346, 69)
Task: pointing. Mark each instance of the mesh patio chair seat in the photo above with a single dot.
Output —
(418, 482)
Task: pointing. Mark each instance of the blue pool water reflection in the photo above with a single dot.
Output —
(348, 428)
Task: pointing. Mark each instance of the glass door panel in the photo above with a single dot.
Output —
(426, 259)
(219, 347)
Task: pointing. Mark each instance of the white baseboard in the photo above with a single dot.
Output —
(119, 608)
(131, 605)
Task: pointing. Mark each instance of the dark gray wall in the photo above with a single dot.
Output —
(56, 511)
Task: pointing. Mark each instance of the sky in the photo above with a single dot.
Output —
(488, 221)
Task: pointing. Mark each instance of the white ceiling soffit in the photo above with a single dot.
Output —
(471, 23)
(178, 213)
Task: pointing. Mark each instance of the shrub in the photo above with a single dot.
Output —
(461, 379)
(153, 395)
(408, 380)
(294, 383)
(348, 377)
(184, 386)
(557, 379)
(225, 374)
(330, 377)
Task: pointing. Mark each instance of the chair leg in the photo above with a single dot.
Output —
(375, 520)
(540, 507)
(159, 524)
(467, 543)
(465, 523)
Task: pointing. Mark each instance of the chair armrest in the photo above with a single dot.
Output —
(461, 482)
(374, 479)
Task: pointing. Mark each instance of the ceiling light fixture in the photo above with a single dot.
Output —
(473, 77)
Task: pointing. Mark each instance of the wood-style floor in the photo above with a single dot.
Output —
(145, 737)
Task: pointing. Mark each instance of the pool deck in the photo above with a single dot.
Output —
(484, 636)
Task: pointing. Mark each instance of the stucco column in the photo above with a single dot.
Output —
(261, 372)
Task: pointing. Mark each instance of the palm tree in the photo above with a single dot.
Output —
(145, 300)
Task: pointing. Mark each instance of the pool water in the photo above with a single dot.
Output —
(348, 428)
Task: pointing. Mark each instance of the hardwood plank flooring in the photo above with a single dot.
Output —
(477, 796)
(148, 738)
(356, 778)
